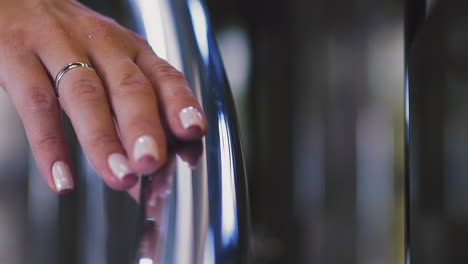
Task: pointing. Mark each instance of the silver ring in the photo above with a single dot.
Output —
(67, 68)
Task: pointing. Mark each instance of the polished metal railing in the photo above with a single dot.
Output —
(194, 210)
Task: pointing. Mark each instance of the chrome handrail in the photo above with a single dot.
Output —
(416, 13)
(204, 219)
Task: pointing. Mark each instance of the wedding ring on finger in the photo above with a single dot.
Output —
(70, 66)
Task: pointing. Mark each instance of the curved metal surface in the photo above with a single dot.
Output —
(194, 210)
(436, 140)
(415, 14)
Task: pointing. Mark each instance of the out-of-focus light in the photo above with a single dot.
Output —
(407, 117)
(430, 5)
(13, 154)
(154, 29)
(229, 223)
(209, 256)
(234, 44)
(145, 261)
(200, 25)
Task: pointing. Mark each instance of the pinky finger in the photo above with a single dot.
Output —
(32, 94)
(175, 97)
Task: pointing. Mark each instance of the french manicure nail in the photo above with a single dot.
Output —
(145, 146)
(118, 163)
(190, 116)
(62, 176)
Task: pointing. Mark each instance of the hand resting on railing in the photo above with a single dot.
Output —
(122, 99)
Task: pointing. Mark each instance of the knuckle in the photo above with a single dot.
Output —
(96, 22)
(14, 39)
(167, 72)
(101, 140)
(137, 38)
(108, 20)
(101, 27)
(181, 92)
(141, 40)
(86, 89)
(134, 80)
(40, 100)
(15, 33)
(51, 23)
(132, 84)
(50, 141)
(141, 125)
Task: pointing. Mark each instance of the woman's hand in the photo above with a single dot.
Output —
(117, 111)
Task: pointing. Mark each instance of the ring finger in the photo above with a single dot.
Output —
(83, 98)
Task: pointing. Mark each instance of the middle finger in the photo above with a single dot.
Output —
(135, 107)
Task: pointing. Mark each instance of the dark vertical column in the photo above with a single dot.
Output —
(271, 168)
(437, 132)
(272, 171)
(415, 14)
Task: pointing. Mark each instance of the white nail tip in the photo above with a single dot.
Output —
(118, 163)
(190, 116)
(145, 145)
(62, 176)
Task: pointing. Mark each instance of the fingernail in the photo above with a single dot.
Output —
(62, 176)
(190, 117)
(145, 146)
(119, 165)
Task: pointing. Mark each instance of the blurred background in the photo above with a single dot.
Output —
(319, 89)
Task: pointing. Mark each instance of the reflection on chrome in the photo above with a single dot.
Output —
(152, 24)
(407, 113)
(209, 254)
(184, 211)
(146, 261)
(200, 26)
(229, 223)
(206, 218)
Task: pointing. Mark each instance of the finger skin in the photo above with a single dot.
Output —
(31, 92)
(85, 102)
(183, 114)
(84, 99)
(135, 107)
